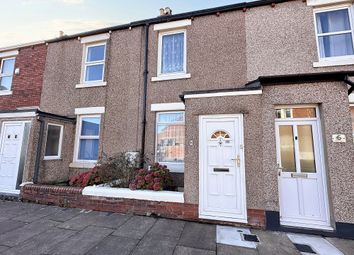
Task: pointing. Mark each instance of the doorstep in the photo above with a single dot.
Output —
(149, 195)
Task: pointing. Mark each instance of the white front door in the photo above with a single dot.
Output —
(10, 151)
(222, 194)
(301, 175)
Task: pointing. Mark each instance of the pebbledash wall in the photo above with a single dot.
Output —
(237, 47)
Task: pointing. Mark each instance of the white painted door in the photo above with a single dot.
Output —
(222, 174)
(301, 175)
(10, 151)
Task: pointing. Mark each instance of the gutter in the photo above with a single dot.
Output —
(146, 72)
(161, 19)
(283, 80)
(350, 83)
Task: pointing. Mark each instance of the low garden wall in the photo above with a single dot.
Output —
(72, 197)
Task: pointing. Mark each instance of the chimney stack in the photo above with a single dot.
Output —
(61, 33)
(165, 11)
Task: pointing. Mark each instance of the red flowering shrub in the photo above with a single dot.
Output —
(157, 178)
(120, 168)
(89, 178)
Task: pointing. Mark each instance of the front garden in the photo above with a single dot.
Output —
(119, 176)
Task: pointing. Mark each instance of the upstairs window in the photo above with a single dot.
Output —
(172, 52)
(94, 63)
(6, 74)
(334, 33)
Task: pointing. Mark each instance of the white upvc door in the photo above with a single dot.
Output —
(10, 152)
(222, 191)
(301, 175)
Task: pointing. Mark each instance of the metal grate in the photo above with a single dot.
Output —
(250, 238)
(304, 248)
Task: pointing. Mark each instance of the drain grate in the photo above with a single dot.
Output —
(304, 248)
(250, 238)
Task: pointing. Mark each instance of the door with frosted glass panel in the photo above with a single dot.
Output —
(302, 194)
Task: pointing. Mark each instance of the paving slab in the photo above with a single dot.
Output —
(223, 249)
(37, 214)
(16, 209)
(274, 243)
(114, 245)
(42, 243)
(64, 214)
(24, 233)
(81, 242)
(136, 227)
(344, 245)
(6, 226)
(3, 248)
(156, 245)
(200, 236)
(180, 250)
(167, 227)
(83, 220)
(114, 220)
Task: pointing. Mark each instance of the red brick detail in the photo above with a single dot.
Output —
(256, 217)
(72, 197)
(27, 86)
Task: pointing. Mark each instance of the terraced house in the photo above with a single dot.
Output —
(21, 78)
(248, 105)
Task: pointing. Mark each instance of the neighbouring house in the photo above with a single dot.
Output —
(246, 104)
(21, 79)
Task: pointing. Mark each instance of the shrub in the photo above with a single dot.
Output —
(157, 178)
(118, 169)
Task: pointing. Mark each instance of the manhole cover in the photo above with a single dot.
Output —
(250, 238)
(304, 248)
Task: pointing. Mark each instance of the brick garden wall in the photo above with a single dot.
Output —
(27, 86)
(72, 197)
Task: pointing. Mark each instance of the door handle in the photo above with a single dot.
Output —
(238, 160)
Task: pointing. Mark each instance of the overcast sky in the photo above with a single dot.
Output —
(31, 20)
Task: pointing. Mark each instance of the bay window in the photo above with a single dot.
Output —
(334, 31)
(170, 140)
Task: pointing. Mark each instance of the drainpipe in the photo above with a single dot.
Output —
(39, 149)
(146, 72)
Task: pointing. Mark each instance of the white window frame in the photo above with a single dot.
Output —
(173, 167)
(78, 137)
(333, 61)
(59, 145)
(85, 64)
(7, 75)
(176, 75)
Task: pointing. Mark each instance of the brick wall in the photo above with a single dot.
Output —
(27, 86)
(72, 197)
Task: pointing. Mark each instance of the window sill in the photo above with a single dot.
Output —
(174, 167)
(327, 63)
(51, 158)
(5, 93)
(90, 85)
(82, 164)
(171, 77)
